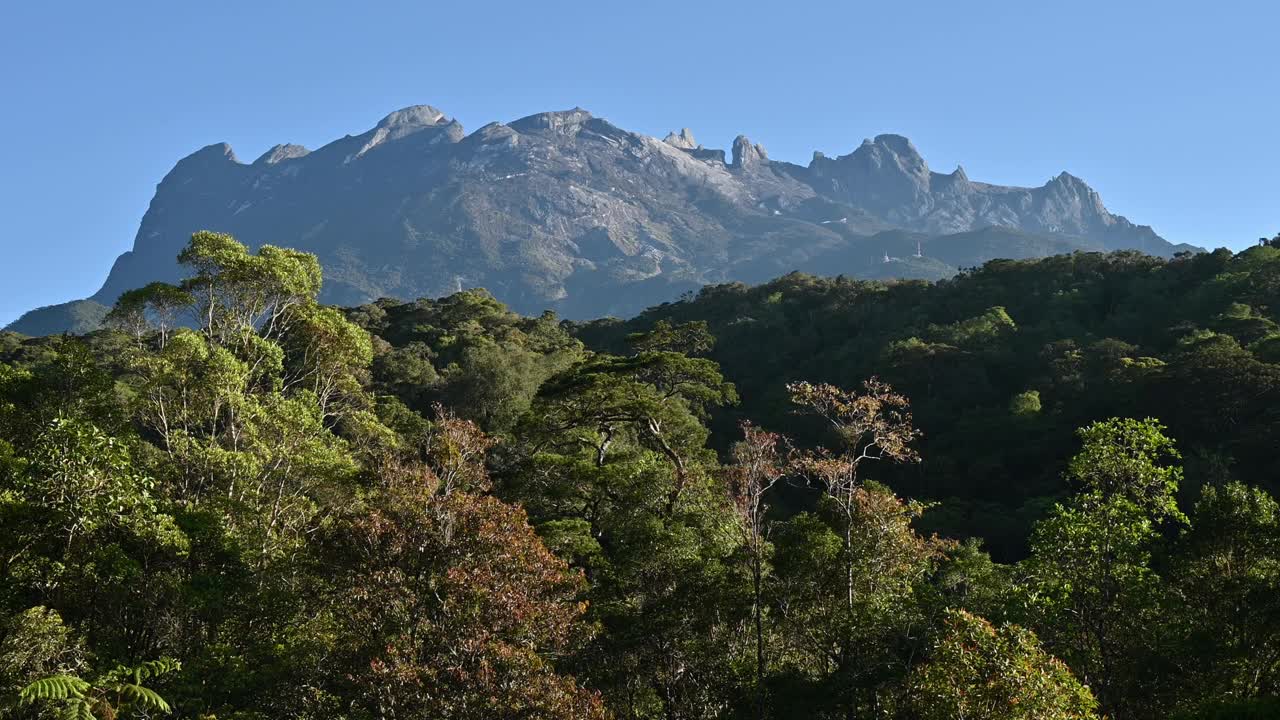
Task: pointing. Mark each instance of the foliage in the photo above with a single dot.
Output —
(450, 606)
(442, 509)
(979, 672)
(119, 693)
(850, 636)
(1092, 589)
(467, 351)
(1096, 335)
(1225, 579)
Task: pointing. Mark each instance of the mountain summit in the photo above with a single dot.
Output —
(566, 211)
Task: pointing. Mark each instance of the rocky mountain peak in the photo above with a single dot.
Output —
(492, 134)
(566, 211)
(747, 155)
(1066, 181)
(895, 151)
(413, 116)
(886, 174)
(217, 158)
(403, 123)
(899, 144)
(956, 183)
(280, 153)
(215, 152)
(684, 140)
(1074, 195)
(560, 121)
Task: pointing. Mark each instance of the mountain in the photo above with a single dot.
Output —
(564, 210)
(76, 317)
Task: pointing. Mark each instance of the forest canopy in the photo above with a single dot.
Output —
(1042, 489)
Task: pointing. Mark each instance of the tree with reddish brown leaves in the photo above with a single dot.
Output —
(759, 461)
(879, 556)
(451, 606)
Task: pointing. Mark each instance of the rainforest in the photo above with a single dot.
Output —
(1041, 489)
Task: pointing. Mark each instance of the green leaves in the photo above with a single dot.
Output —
(341, 555)
(979, 672)
(77, 709)
(1127, 458)
(239, 294)
(142, 697)
(109, 693)
(55, 687)
(135, 310)
(691, 338)
(467, 351)
(1025, 404)
(639, 384)
(985, 328)
(655, 399)
(1225, 592)
(1091, 589)
(155, 668)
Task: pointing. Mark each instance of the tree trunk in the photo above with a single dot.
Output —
(757, 572)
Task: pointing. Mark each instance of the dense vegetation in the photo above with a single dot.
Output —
(754, 503)
(1004, 362)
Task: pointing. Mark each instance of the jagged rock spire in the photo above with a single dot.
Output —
(684, 140)
(746, 155)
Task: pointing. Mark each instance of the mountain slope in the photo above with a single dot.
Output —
(76, 317)
(566, 211)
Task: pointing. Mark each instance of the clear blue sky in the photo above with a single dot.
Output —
(1170, 109)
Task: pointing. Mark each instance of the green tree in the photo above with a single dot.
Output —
(654, 398)
(1226, 596)
(1092, 588)
(258, 425)
(34, 644)
(239, 294)
(691, 338)
(979, 672)
(617, 476)
(157, 307)
(880, 559)
(329, 357)
(86, 534)
(466, 351)
(1025, 403)
(843, 658)
(245, 405)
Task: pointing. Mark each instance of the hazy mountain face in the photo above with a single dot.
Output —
(566, 211)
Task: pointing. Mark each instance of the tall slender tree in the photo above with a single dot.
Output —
(877, 543)
(759, 461)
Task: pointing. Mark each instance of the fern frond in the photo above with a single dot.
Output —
(142, 697)
(54, 687)
(77, 709)
(155, 668)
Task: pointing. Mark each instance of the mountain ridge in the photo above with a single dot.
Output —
(563, 210)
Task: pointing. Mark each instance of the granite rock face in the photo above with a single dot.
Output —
(747, 155)
(566, 211)
(684, 140)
